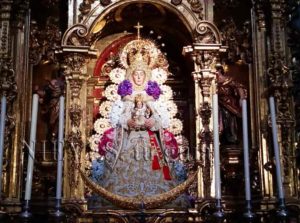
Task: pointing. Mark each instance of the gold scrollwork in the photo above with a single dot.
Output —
(138, 203)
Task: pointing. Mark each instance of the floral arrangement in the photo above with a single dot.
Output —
(101, 125)
(111, 92)
(153, 89)
(167, 93)
(117, 75)
(171, 108)
(125, 88)
(176, 126)
(159, 75)
(105, 108)
(106, 141)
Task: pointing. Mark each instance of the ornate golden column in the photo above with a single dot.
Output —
(14, 19)
(76, 78)
(272, 76)
(75, 64)
(204, 51)
(260, 115)
(280, 80)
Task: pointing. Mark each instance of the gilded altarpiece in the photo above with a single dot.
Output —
(207, 47)
(251, 50)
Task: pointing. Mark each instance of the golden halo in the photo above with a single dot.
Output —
(140, 45)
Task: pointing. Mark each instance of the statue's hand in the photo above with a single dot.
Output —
(131, 123)
(149, 123)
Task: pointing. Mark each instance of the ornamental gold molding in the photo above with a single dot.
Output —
(206, 139)
(43, 43)
(143, 202)
(294, 68)
(75, 145)
(8, 88)
(75, 77)
(94, 15)
(280, 86)
(205, 54)
(278, 83)
(197, 8)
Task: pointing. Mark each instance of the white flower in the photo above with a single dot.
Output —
(111, 92)
(171, 108)
(175, 126)
(159, 75)
(101, 125)
(117, 75)
(167, 92)
(116, 111)
(94, 141)
(160, 107)
(105, 108)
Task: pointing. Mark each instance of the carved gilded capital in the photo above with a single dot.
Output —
(75, 73)
(206, 47)
(44, 42)
(74, 65)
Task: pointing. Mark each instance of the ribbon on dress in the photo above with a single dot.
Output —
(158, 157)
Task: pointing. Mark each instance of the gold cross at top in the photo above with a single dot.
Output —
(138, 27)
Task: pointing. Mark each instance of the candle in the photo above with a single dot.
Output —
(276, 149)
(44, 150)
(34, 114)
(246, 150)
(54, 149)
(60, 147)
(2, 129)
(216, 146)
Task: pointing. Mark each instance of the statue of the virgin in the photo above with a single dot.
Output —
(140, 155)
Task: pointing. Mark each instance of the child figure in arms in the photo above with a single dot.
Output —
(140, 112)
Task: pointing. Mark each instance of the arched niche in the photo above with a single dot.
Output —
(156, 26)
(87, 43)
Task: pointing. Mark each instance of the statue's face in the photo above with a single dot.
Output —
(138, 77)
(139, 104)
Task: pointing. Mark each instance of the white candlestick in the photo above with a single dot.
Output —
(60, 147)
(276, 148)
(216, 146)
(246, 150)
(34, 115)
(2, 131)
